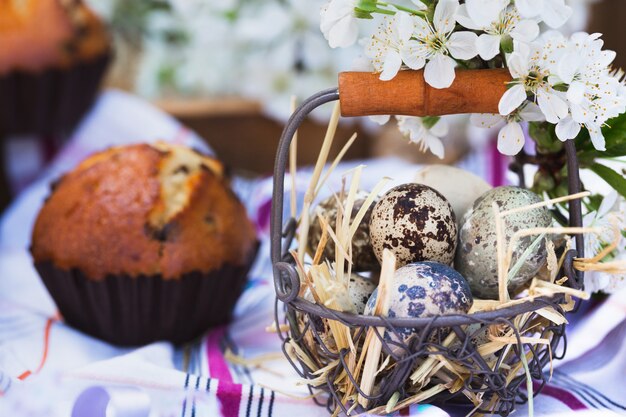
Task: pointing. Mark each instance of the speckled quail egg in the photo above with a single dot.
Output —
(360, 290)
(416, 223)
(424, 289)
(318, 324)
(476, 257)
(363, 258)
(479, 336)
(461, 188)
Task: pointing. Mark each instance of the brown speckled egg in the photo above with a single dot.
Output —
(363, 258)
(477, 258)
(360, 290)
(416, 223)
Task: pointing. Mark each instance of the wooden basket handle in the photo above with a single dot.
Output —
(473, 91)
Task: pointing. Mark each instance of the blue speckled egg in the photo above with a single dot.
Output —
(425, 289)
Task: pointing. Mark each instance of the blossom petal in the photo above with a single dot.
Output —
(576, 92)
(343, 33)
(518, 65)
(419, 5)
(439, 72)
(445, 11)
(531, 113)
(422, 28)
(485, 12)
(391, 66)
(568, 67)
(440, 129)
(462, 45)
(488, 46)
(405, 25)
(465, 20)
(567, 129)
(529, 8)
(555, 13)
(486, 120)
(597, 138)
(412, 55)
(580, 113)
(334, 11)
(609, 203)
(525, 30)
(511, 139)
(608, 57)
(552, 106)
(512, 99)
(435, 145)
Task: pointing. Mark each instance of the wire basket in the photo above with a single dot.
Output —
(497, 391)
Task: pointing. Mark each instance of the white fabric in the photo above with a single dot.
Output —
(76, 362)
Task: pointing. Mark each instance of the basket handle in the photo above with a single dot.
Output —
(473, 91)
(363, 94)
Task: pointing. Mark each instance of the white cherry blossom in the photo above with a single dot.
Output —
(426, 137)
(497, 20)
(593, 92)
(531, 78)
(390, 46)
(511, 138)
(437, 44)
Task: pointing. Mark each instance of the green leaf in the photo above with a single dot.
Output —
(545, 136)
(614, 133)
(430, 121)
(562, 87)
(611, 152)
(613, 178)
(529, 386)
(506, 44)
(594, 201)
(530, 250)
(362, 14)
(367, 5)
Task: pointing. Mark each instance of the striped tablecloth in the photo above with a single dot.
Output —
(49, 369)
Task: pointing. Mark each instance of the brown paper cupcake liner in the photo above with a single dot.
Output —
(132, 311)
(50, 102)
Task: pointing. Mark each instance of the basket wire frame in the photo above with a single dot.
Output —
(306, 319)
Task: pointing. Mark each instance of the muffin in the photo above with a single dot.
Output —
(53, 56)
(143, 243)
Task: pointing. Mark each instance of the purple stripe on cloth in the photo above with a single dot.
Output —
(498, 164)
(561, 395)
(601, 354)
(228, 393)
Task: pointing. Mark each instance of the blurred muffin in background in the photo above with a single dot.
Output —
(143, 243)
(53, 55)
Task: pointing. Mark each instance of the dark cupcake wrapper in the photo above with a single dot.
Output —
(131, 311)
(49, 102)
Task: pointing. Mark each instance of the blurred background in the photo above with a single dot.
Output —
(227, 69)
